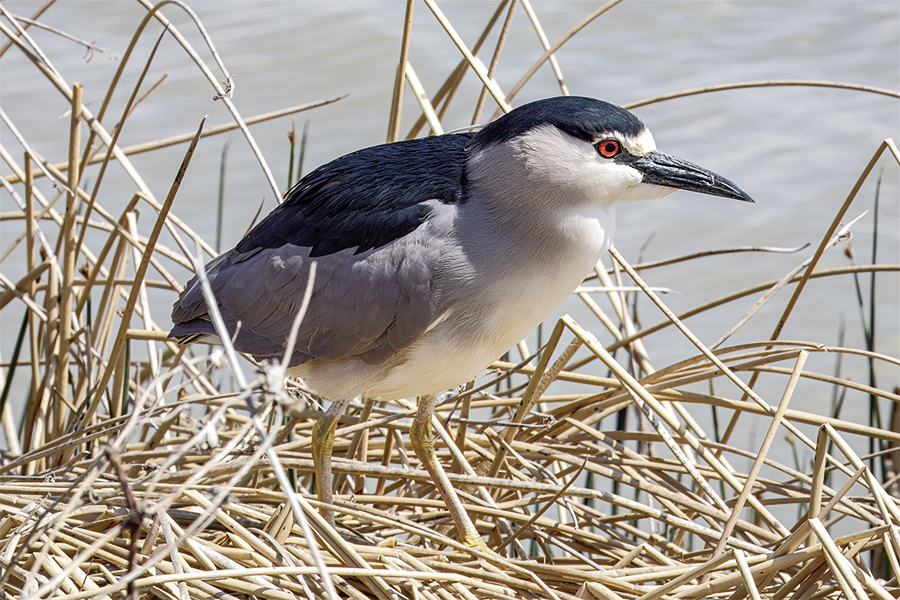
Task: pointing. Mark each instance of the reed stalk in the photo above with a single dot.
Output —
(140, 468)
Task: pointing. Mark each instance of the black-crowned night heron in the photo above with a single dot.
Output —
(434, 256)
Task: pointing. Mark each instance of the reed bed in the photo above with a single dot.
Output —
(143, 469)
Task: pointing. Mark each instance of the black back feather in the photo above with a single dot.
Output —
(366, 199)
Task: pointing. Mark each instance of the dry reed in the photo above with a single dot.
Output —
(151, 477)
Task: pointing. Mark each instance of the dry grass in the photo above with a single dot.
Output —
(174, 476)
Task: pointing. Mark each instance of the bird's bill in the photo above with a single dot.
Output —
(669, 171)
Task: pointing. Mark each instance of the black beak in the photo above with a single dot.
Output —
(669, 171)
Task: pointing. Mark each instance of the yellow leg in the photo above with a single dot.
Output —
(322, 445)
(422, 440)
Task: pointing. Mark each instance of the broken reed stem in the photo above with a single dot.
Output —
(476, 64)
(33, 324)
(552, 50)
(68, 263)
(451, 84)
(495, 59)
(182, 138)
(113, 142)
(823, 245)
(139, 274)
(402, 64)
(763, 450)
(756, 84)
(545, 44)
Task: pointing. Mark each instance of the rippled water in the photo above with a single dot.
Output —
(797, 150)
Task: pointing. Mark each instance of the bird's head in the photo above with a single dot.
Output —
(572, 150)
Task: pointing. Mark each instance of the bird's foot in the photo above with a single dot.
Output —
(476, 543)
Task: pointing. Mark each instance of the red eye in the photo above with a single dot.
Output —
(608, 148)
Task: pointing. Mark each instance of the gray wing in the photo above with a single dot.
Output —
(369, 305)
(377, 222)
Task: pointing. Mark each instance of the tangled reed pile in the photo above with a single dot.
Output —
(182, 473)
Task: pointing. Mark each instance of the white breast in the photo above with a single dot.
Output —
(501, 306)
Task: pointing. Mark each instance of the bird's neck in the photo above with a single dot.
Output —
(516, 209)
(532, 244)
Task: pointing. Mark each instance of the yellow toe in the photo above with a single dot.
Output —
(476, 543)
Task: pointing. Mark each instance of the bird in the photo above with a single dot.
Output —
(433, 256)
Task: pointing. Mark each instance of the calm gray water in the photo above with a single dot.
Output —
(797, 150)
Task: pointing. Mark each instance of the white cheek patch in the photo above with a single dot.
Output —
(551, 155)
(642, 145)
(556, 169)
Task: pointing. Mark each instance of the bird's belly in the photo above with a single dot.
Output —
(506, 307)
(433, 365)
(455, 352)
